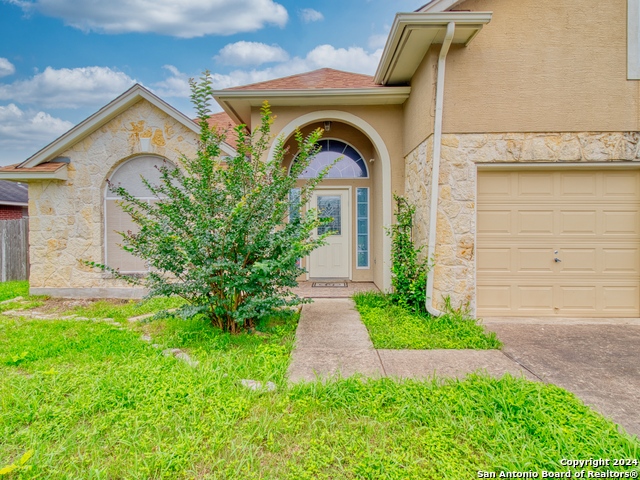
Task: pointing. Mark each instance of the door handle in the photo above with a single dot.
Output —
(557, 260)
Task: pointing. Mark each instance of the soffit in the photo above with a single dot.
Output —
(411, 36)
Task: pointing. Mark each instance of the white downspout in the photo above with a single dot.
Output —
(435, 173)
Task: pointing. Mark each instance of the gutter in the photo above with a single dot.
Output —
(435, 172)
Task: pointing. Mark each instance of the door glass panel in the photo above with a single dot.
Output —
(329, 206)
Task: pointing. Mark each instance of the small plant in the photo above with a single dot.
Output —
(21, 465)
(408, 268)
(217, 234)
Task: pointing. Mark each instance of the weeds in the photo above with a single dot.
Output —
(395, 327)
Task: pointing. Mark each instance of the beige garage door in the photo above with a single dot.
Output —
(558, 243)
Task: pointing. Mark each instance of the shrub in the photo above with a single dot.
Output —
(217, 234)
(408, 268)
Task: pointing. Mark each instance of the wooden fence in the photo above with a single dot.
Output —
(14, 250)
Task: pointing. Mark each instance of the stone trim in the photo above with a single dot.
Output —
(106, 292)
(461, 156)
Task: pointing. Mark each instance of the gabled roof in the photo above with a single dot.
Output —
(49, 153)
(323, 78)
(12, 193)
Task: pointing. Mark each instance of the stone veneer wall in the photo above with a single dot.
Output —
(461, 153)
(66, 223)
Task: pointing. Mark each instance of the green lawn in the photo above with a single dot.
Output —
(393, 327)
(9, 290)
(96, 402)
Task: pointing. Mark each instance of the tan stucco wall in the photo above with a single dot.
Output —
(66, 223)
(462, 155)
(543, 66)
(388, 123)
(419, 107)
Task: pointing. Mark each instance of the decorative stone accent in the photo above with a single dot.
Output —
(418, 188)
(461, 154)
(181, 355)
(66, 223)
(255, 385)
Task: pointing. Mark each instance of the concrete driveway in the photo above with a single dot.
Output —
(599, 362)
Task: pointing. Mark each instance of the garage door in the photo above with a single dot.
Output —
(558, 243)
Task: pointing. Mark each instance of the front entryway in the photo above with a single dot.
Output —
(332, 260)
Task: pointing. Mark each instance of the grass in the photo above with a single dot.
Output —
(393, 327)
(9, 290)
(96, 402)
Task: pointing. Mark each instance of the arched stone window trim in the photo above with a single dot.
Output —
(129, 175)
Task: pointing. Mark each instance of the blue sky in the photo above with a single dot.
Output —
(61, 60)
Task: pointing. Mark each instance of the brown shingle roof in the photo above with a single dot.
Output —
(43, 167)
(223, 123)
(323, 78)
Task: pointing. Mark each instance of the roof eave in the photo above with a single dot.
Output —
(406, 23)
(238, 103)
(25, 175)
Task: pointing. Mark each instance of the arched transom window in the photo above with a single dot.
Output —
(128, 175)
(352, 165)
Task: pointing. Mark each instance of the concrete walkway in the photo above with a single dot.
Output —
(331, 340)
(599, 361)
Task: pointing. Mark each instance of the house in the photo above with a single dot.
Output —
(513, 127)
(14, 200)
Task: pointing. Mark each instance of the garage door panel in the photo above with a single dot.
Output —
(621, 222)
(619, 299)
(536, 299)
(535, 222)
(578, 184)
(577, 299)
(495, 185)
(496, 222)
(495, 298)
(578, 222)
(591, 218)
(494, 260)
(538, 185)
(621, 260)
(578, 260)
(621, 185)
(534, 260)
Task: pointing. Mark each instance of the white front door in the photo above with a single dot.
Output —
(332, 260)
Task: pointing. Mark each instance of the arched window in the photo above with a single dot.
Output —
(128, 175)
(352, 165)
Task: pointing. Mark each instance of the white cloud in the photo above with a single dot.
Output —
(378, 41)
(184, 18)
(250, 53)
(6, 67)
(177, 85)
(68, 88)
(309, 15)
(352, 59)
(28, 130)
